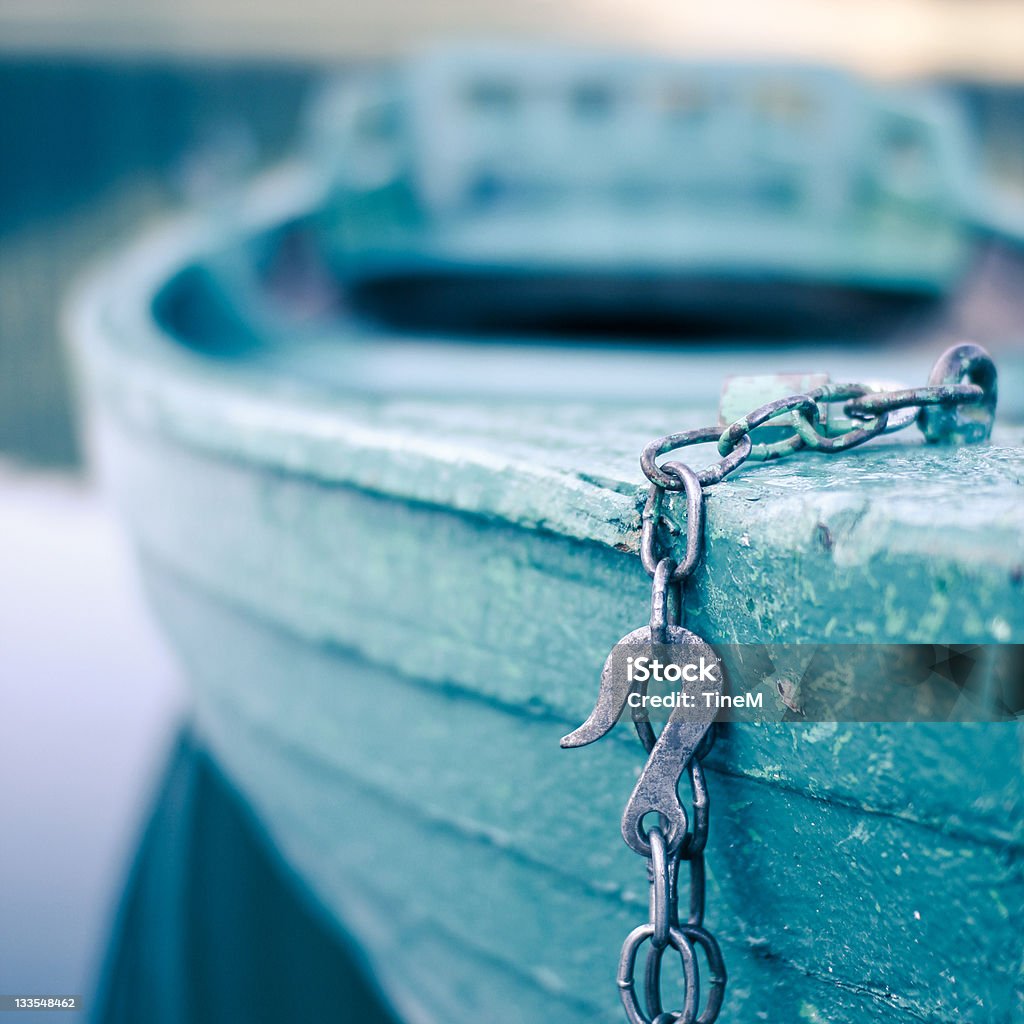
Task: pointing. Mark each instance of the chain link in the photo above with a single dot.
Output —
(736, 432)
(957, 406)
(807, 421)
(674, 442)
(873, 403)
(651, 517)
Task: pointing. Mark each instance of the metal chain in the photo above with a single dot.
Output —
(956, 406)
(665, 930)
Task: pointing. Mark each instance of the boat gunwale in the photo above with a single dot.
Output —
(241, 416)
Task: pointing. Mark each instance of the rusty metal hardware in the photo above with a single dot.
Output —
(968, 419)
(679, 835)
(957, 406)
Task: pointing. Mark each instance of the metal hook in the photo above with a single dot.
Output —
(656, 791)
(615, 687)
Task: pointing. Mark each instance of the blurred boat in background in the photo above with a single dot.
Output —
(504, 187)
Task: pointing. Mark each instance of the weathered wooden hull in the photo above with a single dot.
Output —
(392, 607)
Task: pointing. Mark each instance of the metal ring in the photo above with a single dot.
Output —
(663, 869)
(806, 421)
(735, 432)
(674, 822)
(652, 983)
(962, 424)
(661, 614)
(677, 940)
(717, 976)
(694, 523)
(673, 442)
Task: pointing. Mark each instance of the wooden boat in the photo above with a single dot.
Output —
(500, 186)
(392, 565)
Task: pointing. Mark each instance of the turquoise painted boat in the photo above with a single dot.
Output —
(392, 564)
(509, 186)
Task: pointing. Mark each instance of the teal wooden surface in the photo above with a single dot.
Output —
(472, 823)
(342, 553)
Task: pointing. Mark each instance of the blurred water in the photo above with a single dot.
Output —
(216, 929)
(203, 923)
(88, 707)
